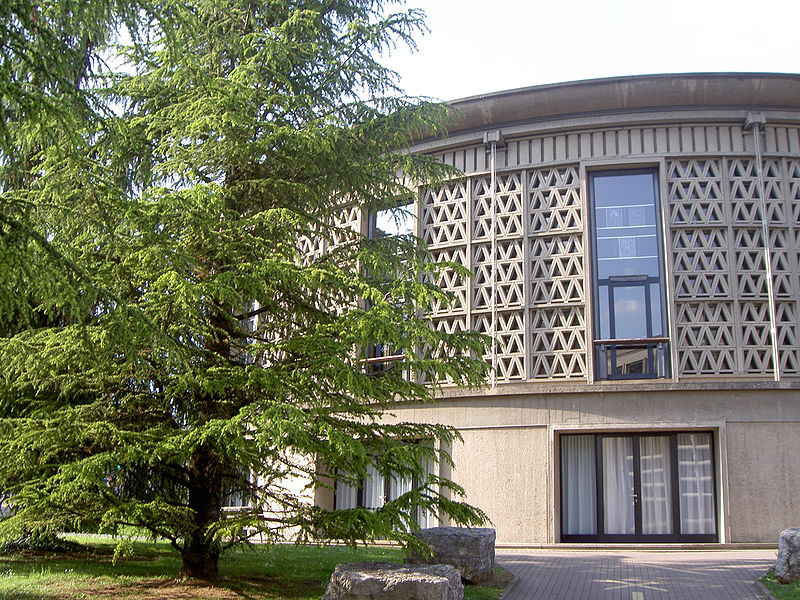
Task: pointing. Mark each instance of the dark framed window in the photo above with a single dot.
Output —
(631, 339)
(240, 492)
(376, 489)
(383, 223)
(395, 221)
(638, 487)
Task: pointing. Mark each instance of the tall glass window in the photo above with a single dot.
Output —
(630, 332)
(386, 223)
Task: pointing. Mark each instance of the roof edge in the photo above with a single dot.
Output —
(620, 94)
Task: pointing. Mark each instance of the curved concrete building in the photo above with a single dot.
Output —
(635, 243)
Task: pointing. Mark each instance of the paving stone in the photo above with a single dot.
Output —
(635, 575)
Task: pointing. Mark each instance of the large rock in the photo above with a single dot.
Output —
(470, 551)
(787, 567)
(387, 581)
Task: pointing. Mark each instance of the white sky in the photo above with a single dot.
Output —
(476, 47)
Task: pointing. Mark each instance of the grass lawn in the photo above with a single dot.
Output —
(149, 573)
(782, 591)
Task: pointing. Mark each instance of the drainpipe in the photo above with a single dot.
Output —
(491, 139)
(754, 121)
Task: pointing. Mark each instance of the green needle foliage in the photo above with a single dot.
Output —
(164, 329)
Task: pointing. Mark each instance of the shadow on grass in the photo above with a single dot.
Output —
(253, 588)
(150, 572)
(95, 562)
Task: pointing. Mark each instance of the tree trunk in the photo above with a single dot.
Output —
(200, 560)
(200, 554)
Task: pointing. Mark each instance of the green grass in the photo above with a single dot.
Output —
(492, 589)
(782, 591)
(280, 572)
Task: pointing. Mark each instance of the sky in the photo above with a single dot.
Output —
(476, 47)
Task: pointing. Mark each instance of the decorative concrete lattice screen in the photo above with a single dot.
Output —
(720, 288)
(505, 286)
(720, 309)
(347, 223)
(556, 276)
(444, 229)
(534, 277)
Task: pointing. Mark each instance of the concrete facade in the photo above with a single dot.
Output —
(721, 149)
(508, 461)
(534, 286)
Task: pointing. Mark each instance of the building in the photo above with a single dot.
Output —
(647, 315)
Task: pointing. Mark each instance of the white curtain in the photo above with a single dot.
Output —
(399, 486)
(696, 477)
(426, 518)
(579, 487)
(618, 485)
(346, 495)
(656, 485)
(374, 495)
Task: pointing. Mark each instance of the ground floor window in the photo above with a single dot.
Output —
(375, 490)
(627, 487)
(240, 491)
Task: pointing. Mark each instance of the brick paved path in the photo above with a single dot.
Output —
(640, 575)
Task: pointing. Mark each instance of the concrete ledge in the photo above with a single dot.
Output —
(633, 387)
(648, 547)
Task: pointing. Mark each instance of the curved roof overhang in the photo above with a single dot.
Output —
(668, 92)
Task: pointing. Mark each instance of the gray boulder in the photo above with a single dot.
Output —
(787, 567)
(388, 581)
(470, 551)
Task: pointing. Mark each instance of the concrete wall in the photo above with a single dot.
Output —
(764, 478)
(508, 464)
(505, 472)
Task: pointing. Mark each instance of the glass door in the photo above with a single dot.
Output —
(655, 485)
(619, 486)
(638, 487)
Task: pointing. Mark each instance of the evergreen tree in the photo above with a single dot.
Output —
(165, 330)
(48, 53)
